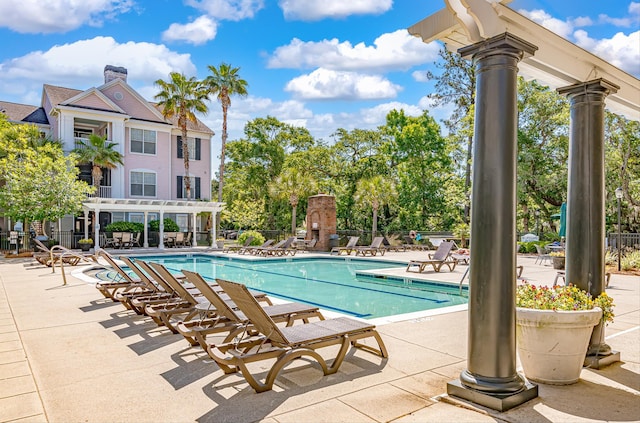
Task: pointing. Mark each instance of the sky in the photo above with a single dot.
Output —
(321, 64)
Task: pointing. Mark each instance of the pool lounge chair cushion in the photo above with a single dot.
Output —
(288, 343)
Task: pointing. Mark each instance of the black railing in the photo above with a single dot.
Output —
(627, 240)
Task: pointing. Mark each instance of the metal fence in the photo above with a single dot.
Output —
(627, 240)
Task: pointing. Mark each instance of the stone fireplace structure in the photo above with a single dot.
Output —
(321, 220)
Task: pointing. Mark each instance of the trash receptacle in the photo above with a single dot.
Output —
(334, 240)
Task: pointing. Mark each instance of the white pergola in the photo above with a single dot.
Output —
(557, 62)
(98, 205)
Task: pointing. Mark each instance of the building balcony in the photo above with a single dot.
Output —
(102, 192)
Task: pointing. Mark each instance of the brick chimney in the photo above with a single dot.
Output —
(114, 72)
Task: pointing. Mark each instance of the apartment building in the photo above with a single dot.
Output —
(151, 145)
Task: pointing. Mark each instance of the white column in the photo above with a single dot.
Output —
(194, 243)
(86, 223)
(146, 231)
(161, 234)
(96, 229)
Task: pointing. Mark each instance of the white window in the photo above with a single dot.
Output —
(143, 184)
(117, 217)
(136, 217)
(143, 141)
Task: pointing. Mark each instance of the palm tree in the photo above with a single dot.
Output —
(224, 82)
(180, 98)
(291, 185)
(374, 192)
(100, 153)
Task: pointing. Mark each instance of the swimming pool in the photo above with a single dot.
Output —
(346, 286)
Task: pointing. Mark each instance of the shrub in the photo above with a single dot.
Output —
(169, 225)
(258, 239)
(124, 227)
(630, 260)
(550, 237)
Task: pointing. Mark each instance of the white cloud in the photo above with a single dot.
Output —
(231, 10)
(420, 75)
(581, 21)
(34, 16)
(621, 50)
(395, 50)
(314, 10)
(197, 32)
(325, 84)
(81, 64)
(541, 17)
(626, 22)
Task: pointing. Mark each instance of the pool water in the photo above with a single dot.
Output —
(345, 286)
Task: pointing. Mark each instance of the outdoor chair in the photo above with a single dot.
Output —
(351, 246)
(59, 254)
(411, 245)
(124, 281)
(373, 249)
(282, 248)
(228, 319)
(303, 245)
(125, 240)
(390, 247)
(437, 259)
(543, 255)
(186, 242)
(252, 248)
(135, 241)
(236, 247)
(285, 344)
(184, 302)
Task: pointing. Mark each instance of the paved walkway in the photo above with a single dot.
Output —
(67, 355)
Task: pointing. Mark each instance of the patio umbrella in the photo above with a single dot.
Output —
(563, 220)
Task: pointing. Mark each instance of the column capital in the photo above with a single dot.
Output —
(595, 86)
(506, 41)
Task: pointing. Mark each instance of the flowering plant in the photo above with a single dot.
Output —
(557, 254)
(85, 241)
(560, 297)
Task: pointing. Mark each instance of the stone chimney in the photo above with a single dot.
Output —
(114, 72)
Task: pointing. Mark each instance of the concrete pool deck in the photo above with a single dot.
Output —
(68, 355)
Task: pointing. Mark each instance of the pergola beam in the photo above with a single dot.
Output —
(558, 62)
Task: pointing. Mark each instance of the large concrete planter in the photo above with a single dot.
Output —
(552, 345)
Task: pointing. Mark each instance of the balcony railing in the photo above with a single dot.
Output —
(102, 192)
(77, 142)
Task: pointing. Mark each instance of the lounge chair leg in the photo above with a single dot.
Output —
(282, 361)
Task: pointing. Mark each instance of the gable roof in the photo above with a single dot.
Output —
(24, 113)
(58, 95)
(109, 105)
(197, 126)
(62, 95)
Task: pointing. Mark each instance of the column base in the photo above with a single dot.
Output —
(498, 402)
(599, 361)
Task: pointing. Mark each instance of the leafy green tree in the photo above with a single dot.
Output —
(374, 192)
(622, 149)
(543, 149)
(425, 171)
(181, 97)
(225, 82)
(356, 154)
(259, 158)
(292, 184)
(39, 183)
(456, 85)
(100, 153)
